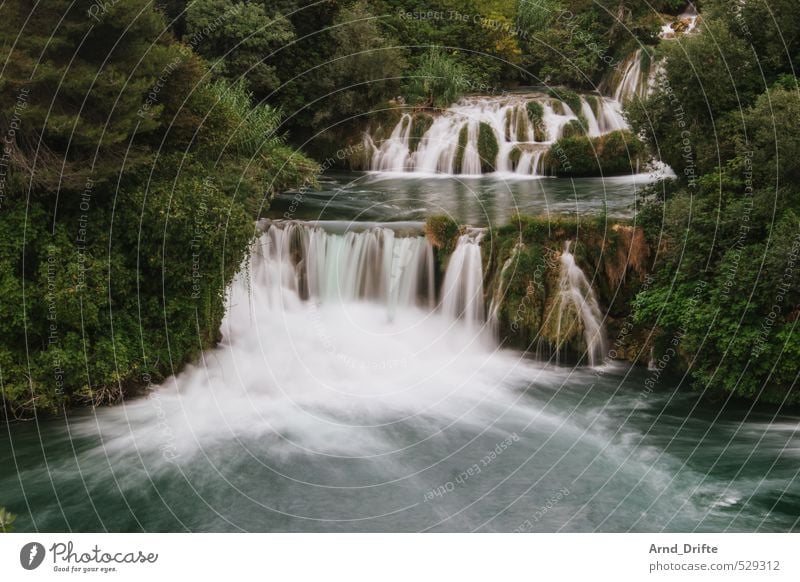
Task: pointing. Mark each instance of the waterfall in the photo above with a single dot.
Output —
(329, 264)
(635, 81)
(607, 118)
(577, 307)
(393, 155)
(500, 290)
(374, 265)
(523, 126)
(462, 291)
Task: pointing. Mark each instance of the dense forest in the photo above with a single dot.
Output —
(142, 139)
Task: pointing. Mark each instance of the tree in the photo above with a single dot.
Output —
(238, 39)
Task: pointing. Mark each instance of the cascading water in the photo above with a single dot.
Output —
(374, 264)
(451, 145)
(577, 305)
(635, 81)
(462, 292)
(607, 118)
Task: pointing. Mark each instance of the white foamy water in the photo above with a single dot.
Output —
(323, 331)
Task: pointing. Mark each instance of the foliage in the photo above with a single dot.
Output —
(610, 154)
(442, 232)
(237, 38)
(535, 16)
(362, 71)
(726, 290)
(439, 81)
(7, 520)
(124, 217)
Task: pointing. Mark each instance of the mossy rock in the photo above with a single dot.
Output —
(571, 98)
(514, 157)
(573, 129)
(536, 117)
(487, 147)
(535, 111)
(557, 106)
(594, 104)
(442, 231)
(508, 123)
(421, 123)
(462, 145)
(359, 156)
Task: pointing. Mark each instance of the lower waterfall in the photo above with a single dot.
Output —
(395, 271)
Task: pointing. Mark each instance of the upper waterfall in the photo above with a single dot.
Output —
(505, 134)
(635, 76)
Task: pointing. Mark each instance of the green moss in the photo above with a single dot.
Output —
(420, 125)
(462, 145)
(535, 111)
(571, 98)
(514, 157)
(557, 106)
(573, 129)
(442, 231)
(615, 153)
(487, 147)
(522, 126)
(594, 104)
(508, 123)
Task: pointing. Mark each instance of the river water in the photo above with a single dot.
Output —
(344, 400)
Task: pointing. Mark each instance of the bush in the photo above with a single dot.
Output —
(442, 231)
(614, 153)
(438, 81)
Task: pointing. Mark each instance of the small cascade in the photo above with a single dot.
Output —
(462, 291)
(374, 265)
(500, 290)
(593, 125)
(451, 145)
(577, 309)
(393, 154)
(635, 80)
(683, 24)
(605, 117)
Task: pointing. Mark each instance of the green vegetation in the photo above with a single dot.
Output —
(7, 520)
(524, 270)
(536, 116)
(442, 232)
(121, 229)
(726, 290)
(487, 147)
(577, 155)
(421, 123)
(463, 136)
(438, 81)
